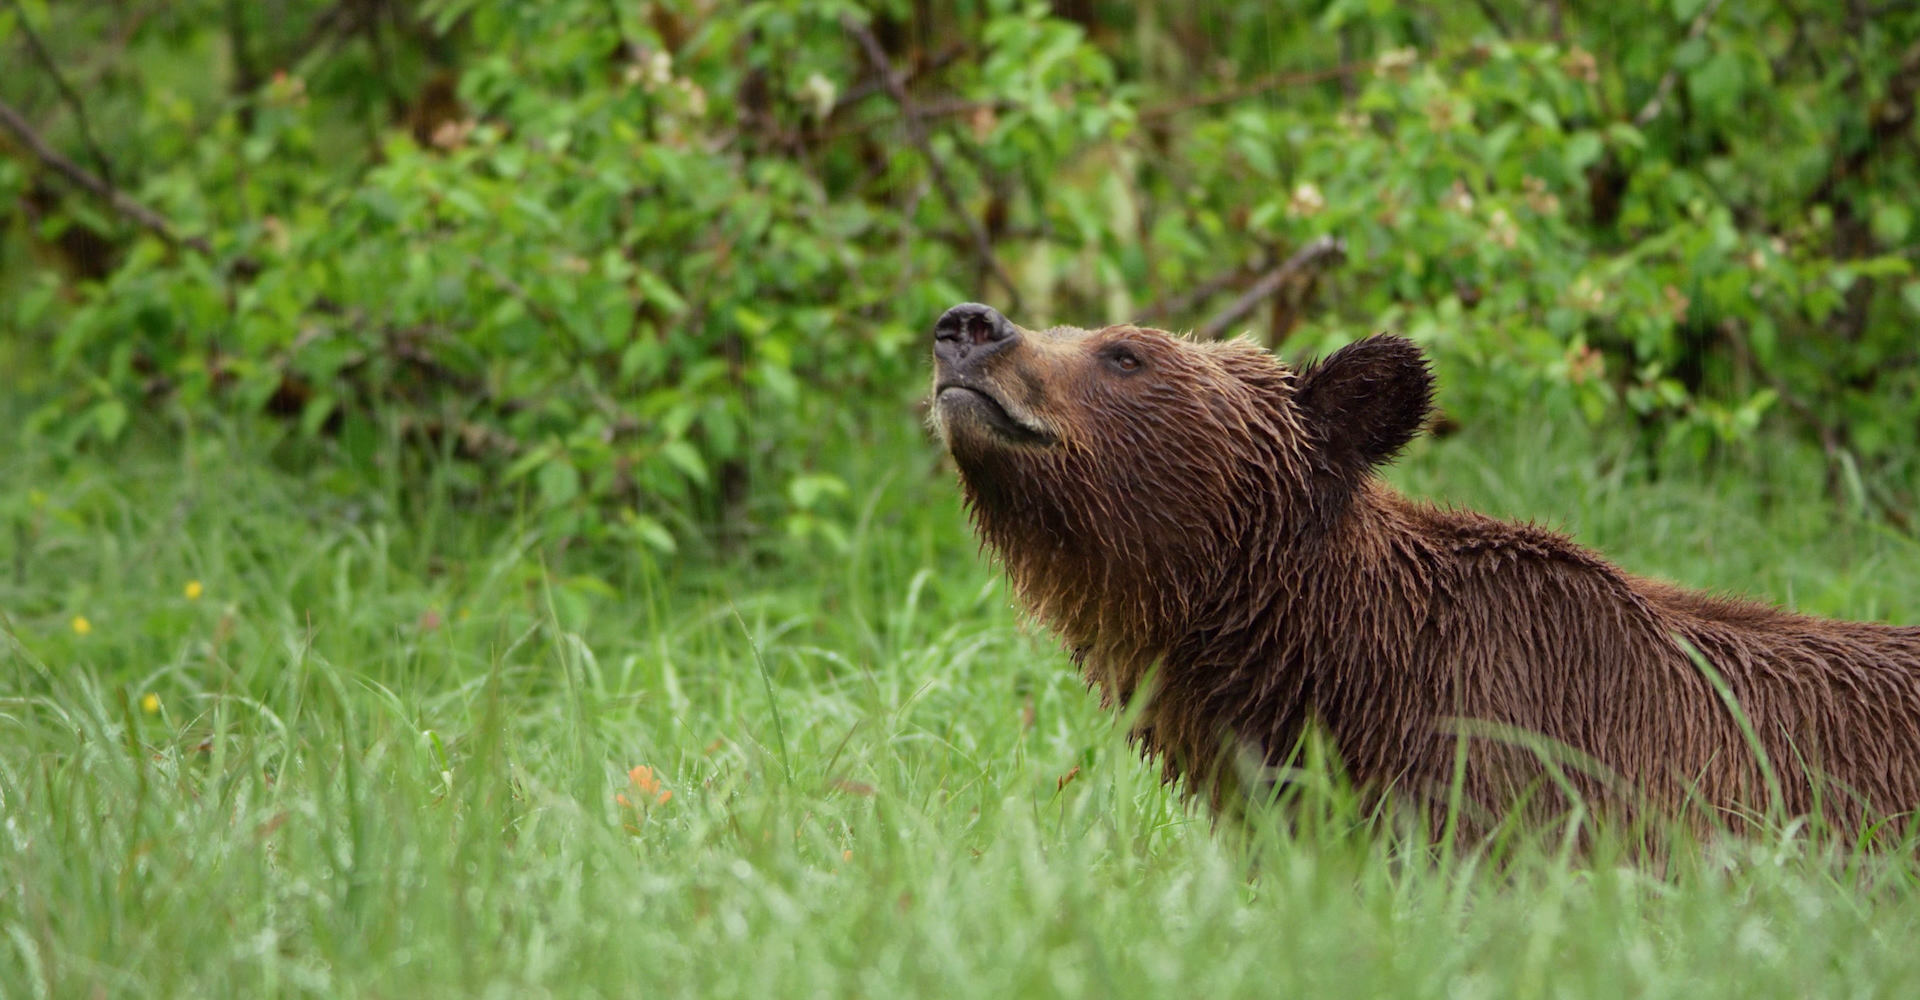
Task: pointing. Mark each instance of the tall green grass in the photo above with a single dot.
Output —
(378, 754)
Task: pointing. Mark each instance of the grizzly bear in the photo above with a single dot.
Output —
(1205, 520)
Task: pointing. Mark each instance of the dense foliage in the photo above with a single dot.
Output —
(650, 261)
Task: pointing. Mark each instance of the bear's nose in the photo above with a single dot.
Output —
(968, 330)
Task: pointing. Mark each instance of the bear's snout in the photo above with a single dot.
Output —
(968, 333)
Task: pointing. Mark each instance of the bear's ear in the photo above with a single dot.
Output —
(1364, 402)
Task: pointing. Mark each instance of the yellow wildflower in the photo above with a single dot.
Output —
(194, 590)
(150, 704)
(81, 626)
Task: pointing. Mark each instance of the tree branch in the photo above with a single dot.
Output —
(1273, 81)
(1492, 14)
(1179, 304)
(71, 99)
(861, 91)
(1316, 254)
(1664, 89)
(917, 134)
(118, 200)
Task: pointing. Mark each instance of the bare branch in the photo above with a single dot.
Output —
(917, 134)
(1316, 254)
(119, 200)
(1492, 14)
(861, 91)
(1274, 81)
(67, 95)
(1179, 304)
(325, 30)
(1664, 89)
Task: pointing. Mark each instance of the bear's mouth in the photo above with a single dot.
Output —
(953, 397)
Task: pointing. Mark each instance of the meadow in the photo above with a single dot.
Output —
(670, 666)
(264, 736)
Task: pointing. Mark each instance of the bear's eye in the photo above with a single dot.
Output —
(1125, 360)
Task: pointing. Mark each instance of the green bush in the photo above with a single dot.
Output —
(650, 264)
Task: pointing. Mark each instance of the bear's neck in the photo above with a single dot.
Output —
(1304, 621)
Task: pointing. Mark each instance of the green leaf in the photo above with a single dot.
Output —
(751, 322)
(780, 382)
(1891, 223)
(109, 417)
(807, 490)
(529, 462)
(468, 203)
(686, 458)
(314, 415)
(559, 483)
(1581, 151)
(659, 292)
(1885, 266)
(651, 533)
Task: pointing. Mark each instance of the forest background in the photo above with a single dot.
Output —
(649, 266)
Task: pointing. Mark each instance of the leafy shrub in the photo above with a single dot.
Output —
(633, 259)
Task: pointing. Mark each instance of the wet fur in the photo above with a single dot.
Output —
(1218, 526)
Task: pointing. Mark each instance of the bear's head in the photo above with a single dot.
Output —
(1126, 475)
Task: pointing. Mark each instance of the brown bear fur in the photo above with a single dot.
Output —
(1206, 515)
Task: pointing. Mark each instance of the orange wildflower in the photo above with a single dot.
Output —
(643, 779)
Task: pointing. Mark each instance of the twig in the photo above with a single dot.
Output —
(1888, 118)
(121, 202)
(1273, 81)
(917, 134)
(861, 91)
(333, 22)
(518, 291)
(106, 55)
(1830, 441)
(1207, 289)
(1492, 14)
(1664, 89)
(67, 95)
(1317, 253)
(246, 73)
(1743, 356)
